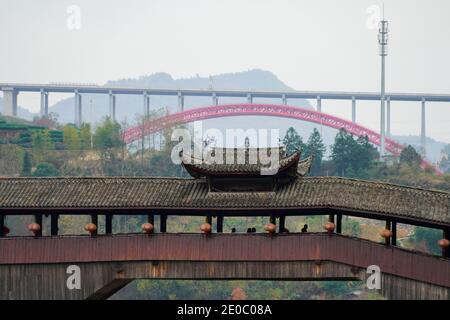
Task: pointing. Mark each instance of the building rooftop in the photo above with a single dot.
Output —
(78, 195)
(246, 162)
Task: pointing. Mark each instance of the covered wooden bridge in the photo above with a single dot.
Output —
(35, 267)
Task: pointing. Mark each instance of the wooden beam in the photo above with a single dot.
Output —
(394, 233)
(2, 225)
(38, 220)
(163, 223)
(282, 222)
(339, 223)
(54, 224)
(108, 223)
(219, 226)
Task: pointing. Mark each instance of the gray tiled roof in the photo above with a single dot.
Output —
(308, 192)
(249, 163)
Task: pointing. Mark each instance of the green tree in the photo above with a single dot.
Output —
(316, 148)
(160, 164)
(85, 136)
(292, 141)
(107, 138)
(444, 164)
(45, 169)
(364, 154)
(352, 158)
(71, 139)
(41, 145)
(410, 156)
(428, 237)
(341, 151)
(26, 164)
(351, 227)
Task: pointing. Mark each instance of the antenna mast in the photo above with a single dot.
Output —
(383, 30)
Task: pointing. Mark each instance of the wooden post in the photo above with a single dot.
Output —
(219, 226)
(94, 220)
(108, 223)
(446, 251)
(2, 225)
(208, 219)
(151, 219)
(282, 222)
(273, 220)
(331, 218)
(394, 233)
(339, 223)
(163, 223)
(54, 224)
(388, 227)
(38, 220)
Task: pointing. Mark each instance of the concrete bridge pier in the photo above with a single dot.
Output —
(180, 102)
(249, 98)
(353, 109)
(284, 99)
(44, 103)
(319, 104)
(215, 99)
(423, 138)
(10, 102)
(78, 109)
(146, 101)
(112, 106)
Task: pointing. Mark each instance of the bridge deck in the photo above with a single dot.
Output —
(289, 94)
(227, 247)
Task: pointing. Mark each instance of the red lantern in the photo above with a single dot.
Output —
(270, 228)
(147, 227)
(329, 226)
(34, 227)
(444, 243)
(386, 233)
(91, 228)
(206, 228)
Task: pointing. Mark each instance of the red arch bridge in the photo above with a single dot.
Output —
(255, 109)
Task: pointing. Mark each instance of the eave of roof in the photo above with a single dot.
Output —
(190, 194)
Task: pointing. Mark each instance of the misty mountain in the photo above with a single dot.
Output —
(434, 147)
(96, 106)
(22, 112)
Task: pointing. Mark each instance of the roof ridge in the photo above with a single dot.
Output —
(93, 178)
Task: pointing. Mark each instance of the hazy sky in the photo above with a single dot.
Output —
(310, 45)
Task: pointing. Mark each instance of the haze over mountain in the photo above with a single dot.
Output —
(128, 106)
(22, 112)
